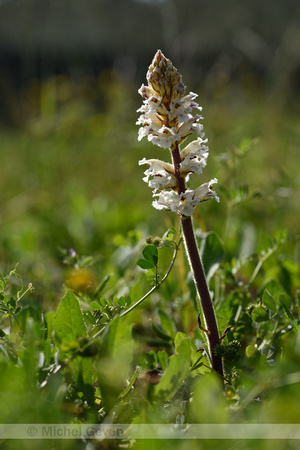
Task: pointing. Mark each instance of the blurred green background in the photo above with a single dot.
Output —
(69, 76)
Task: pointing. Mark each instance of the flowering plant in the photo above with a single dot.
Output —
(166, 120)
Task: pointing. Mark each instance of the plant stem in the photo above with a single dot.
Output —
(203, 292)
(198, 272)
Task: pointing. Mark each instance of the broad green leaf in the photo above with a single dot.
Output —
(197, 359)
(251, 351)
(124, 301)
(269, 301)
(103, 302)
(145, 264)
(150, 253)
(167, 323)
(95, 306)
(83, 372)
(180, 337)
(298, 303)
(176, 372)
(209, 403)
(117, 342)
(212, 253)
(68, 320)
(113, 366)
(83, 368)
(259, 314)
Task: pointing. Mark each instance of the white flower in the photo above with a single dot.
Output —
(166, 120)
(205, 191)
(184, 204)
(189, 126)
(155, 130)
(182, 108)
(159, 175)
(194, 156)
(165, 125)
(195, 147)
(146, 91)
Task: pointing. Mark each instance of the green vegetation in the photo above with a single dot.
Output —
(76, 219)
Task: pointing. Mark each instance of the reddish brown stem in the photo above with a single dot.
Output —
(203, 292)
(198, 272)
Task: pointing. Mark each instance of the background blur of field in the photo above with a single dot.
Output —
(68, 140)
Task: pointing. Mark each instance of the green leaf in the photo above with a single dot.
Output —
(285, 300)
(259, 314)
(102, 285)
(169, 236)
(95, 306)
(167, 323)
(170, 232)
(12, 303)
(199, 363)
(82, 369)
(273, 287)
(163, 359)
(145, 264)
(124, 301)
(212, 252)
(240, 195)
(176, 372)
(292, 319)
(88, 317)
(150, 253)
(103, 302)
(198, 360)
(68, 320)
(160, 332)
(117, 342)
(131, 383)
(113, 367)
(269, 301)
(209, 402)
(151, 359)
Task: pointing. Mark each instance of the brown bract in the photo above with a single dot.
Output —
(164, 79)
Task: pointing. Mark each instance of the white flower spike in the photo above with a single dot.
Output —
(166, 120)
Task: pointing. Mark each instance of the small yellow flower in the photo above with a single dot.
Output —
(81, 279)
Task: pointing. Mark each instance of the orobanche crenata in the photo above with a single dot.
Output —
(167, 120)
